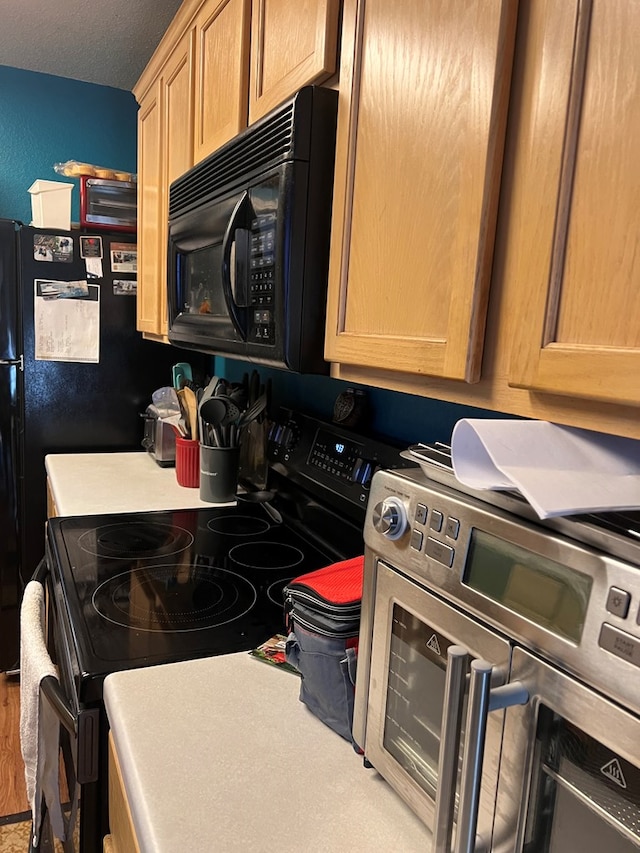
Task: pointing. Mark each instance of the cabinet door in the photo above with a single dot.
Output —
(165, 151)
(293, 43)
(150, 191)
(424, 88)
(123, 833)
(578, 234)
(177, 85)
(222, 77)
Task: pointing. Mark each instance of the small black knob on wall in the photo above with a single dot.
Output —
(351, 407)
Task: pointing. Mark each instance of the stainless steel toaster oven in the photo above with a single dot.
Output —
(497, 686)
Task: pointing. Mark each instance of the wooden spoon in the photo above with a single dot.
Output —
(192, 412)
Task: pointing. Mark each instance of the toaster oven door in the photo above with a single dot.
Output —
(422, 652)
(570, 774)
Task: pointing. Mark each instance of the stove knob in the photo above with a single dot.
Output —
(390, 518)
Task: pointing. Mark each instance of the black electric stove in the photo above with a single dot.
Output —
(147, 588)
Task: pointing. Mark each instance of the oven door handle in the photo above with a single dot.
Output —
(50, 689)
(84, 726)
(450, 730)
(482, 700)
(50, 686)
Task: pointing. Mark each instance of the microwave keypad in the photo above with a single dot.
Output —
(261, 282)
(261, 288)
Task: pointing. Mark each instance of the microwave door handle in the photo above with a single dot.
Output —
(482, 700)
(239, 217)
(450, 730)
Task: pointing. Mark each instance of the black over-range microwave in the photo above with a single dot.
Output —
(249, 231)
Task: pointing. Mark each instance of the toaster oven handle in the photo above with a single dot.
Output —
(237, 233)
(482, 700)
(454, 690)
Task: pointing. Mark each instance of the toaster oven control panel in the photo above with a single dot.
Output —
(552, 593)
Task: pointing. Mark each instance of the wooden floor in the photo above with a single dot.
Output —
(13, 795)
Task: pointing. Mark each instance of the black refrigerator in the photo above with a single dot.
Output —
(75, 375)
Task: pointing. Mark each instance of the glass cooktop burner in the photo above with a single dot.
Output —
(135, 539)
(238, 525)
(275, 591)
(174, 598)
(266, 555)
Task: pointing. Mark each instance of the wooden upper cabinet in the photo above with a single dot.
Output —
(222, 76)
(165, 151)
(579, 232)
(149, 310)
(178, 102)
(293, 43)
(178, 81)
(424, 88)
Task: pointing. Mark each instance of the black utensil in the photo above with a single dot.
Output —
(262, 496)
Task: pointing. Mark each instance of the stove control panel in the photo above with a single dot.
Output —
(342, 457)
(329, 456)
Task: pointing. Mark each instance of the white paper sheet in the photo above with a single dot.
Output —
(66, 329)
(560, 470)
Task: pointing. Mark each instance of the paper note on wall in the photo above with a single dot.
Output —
(67, 321)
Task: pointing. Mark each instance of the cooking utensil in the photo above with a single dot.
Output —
(189, 398)
(206, 393)
(262, 496)
(181, 372)
(228, 425)
(176, 422)
(252, 412)
(212, 412)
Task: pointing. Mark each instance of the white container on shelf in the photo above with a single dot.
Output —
(51, 204)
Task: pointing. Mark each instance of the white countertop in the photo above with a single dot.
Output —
(97, 483)
(219, 753)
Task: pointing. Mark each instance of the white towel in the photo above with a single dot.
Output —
(39, 725)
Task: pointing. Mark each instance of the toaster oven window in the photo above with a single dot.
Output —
(584, 796)
(548, 593)
(413, 715)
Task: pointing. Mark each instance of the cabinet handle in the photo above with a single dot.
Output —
(455, 685)
(482, 700)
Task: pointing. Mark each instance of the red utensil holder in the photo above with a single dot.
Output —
(187, 462)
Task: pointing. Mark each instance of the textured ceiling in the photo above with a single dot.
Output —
(107, 42)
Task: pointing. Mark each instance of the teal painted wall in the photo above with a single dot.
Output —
(46, 120)
(404, 417)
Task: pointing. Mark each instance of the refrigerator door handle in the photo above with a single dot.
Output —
(13, 361)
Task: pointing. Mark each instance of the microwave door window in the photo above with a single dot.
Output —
(202, 294)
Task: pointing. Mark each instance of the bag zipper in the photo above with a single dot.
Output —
(314, 629)
(320, 602)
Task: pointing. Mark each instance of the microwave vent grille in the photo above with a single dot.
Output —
(265, 145)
